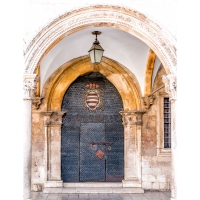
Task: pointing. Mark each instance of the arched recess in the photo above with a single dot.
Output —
(119, 17)
(124, 81)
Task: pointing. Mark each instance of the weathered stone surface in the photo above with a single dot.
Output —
(38, 168)
(155, 170)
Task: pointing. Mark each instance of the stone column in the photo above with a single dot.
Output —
(132, 121)
(29, 85)
(47, 122)
(170, 87)
(52, 125)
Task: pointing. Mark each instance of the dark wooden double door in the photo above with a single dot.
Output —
(92, 142)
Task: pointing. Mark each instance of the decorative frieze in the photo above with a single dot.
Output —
(170, 85)
(133, 117)
(29, 85)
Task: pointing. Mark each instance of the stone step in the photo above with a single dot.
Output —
(92, 184)
(93, 190)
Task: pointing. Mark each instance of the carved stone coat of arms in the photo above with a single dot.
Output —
(92, 98)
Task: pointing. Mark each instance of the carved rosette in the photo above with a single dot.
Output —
(53, 118)
(29, 85)
(170, 85)
(148, 101)
(132, 117)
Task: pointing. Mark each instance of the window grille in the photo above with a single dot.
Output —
(167, 123)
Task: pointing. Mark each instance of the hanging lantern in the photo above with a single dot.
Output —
(96, 51)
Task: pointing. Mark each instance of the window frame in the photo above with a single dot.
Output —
(161, 151)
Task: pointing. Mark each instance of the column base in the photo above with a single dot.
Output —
(131, 183)
(53, 184)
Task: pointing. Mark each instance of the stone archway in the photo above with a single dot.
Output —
(125, 82)
(122, 18)
(119, 17)
(129, 90)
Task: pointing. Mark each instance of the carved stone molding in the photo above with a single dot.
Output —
(170, 85)
(148, 101)
(53, 118)
(47, 116)
(37, 101)
(56, 117)
(132, 117)
(29, 85)
(127, 19)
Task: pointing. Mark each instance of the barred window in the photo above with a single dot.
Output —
(167, 123)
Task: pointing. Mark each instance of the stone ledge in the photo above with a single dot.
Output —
(135, 183)
(53, 184)
(79, 190)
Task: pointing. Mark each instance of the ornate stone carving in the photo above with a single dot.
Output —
(148, 101)
(170, 85)
(37, 102)
(29, 85)
(132, 117)
(127, 19)
(47, 116)
(56, 118)
(53, 117)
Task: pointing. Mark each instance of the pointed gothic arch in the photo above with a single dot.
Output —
(124, 81)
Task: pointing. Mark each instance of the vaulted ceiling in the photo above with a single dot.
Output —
(118, 45)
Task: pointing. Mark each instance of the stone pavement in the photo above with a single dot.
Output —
(165, 195)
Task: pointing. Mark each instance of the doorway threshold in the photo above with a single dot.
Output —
(93, 184)
(93, 190)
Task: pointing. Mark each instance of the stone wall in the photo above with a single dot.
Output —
(38, 149)
(156, 166)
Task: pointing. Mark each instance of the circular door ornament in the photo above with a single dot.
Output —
(92, 98)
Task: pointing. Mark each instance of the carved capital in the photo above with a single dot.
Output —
(29, 85)
(37, 102)
(47, 117)
(148, 101)
(132, 117)
(56, 118)
(170, 85)
(53, 117)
